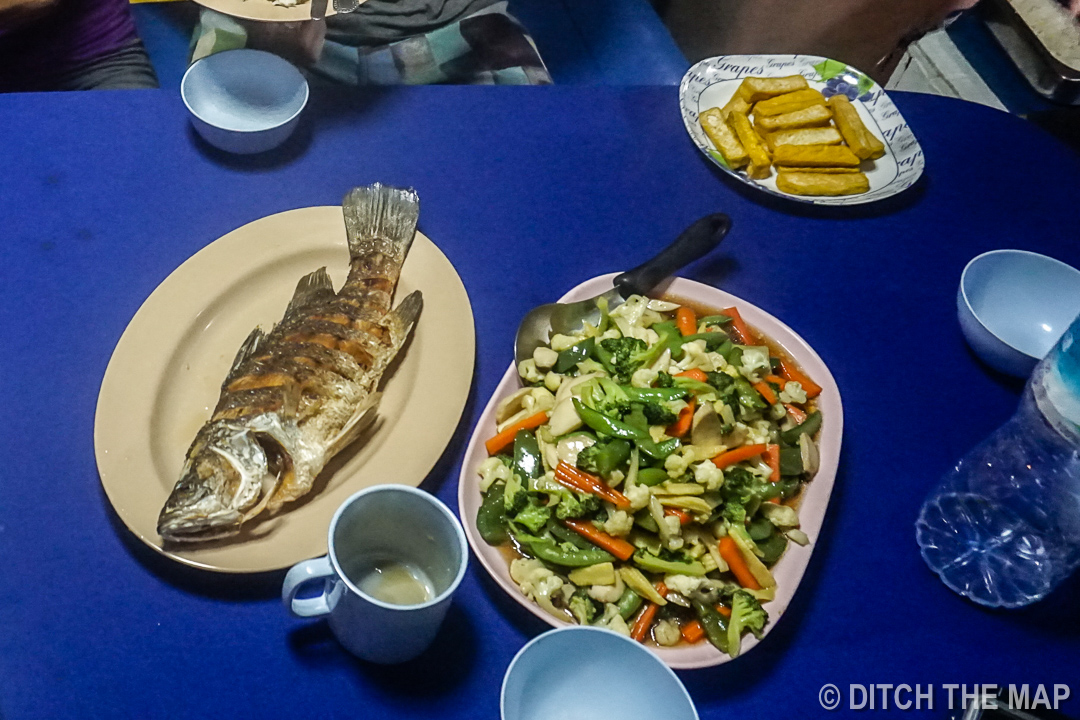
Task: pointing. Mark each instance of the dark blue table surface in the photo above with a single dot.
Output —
(528, 191)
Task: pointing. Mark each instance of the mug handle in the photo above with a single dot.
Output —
(300, 575)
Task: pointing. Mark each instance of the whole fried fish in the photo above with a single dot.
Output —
(296, 396)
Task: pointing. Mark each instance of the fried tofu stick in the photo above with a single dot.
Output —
(809, 183)
(858, 137)
(724, 138)
(788, 103)
(815, 156)
(827, 170)
(735, 104)
(813, 116)
(804, 136)
(755, 89)
(755, 148)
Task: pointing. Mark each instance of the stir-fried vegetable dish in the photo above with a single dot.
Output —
(646, 473)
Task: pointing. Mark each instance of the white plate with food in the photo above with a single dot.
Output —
(802, 127)
(166, 373)
(651, 462)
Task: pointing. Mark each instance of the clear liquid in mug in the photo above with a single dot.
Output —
(394, 582)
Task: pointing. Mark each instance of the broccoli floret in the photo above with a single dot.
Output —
(515, 497)
(574, 505)
(583, 607)
(604, 457)
(534, 515)
(658, 414)
(721, 381)
(743, 487)
(663, 380)
(604, 395)
(733, 512)
(746, 614)
(625, 355)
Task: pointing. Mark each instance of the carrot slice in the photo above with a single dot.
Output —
(796, 413)
(683, 423)
(692, 631)
(504, 439)
(686, 321)
(729, 551)
(723, 610)
(593, 484)
(741, 331)
(694, 374)
(766, 392)
(616, 546)
(738, 455)
(684, 517)
(789, 372)
(772, 457)
(648, 614)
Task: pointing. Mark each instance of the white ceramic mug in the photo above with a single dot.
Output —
(396, 556)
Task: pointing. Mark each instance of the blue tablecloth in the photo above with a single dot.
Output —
(528, 191)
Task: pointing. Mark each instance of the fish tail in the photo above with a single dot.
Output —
(381, 219)
(408, 310)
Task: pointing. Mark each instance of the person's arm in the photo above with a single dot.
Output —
(16, 13)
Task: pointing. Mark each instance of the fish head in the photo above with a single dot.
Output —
(231, 469)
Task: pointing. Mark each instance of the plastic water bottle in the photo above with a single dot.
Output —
(1003, 527)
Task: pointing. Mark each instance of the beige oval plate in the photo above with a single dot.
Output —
(788, 571)
(165, 374)
(264, 10)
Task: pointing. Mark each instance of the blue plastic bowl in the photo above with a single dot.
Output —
(244, 101)
(1014, 305)
(588, 672)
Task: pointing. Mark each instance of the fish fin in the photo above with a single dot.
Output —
(408, 310)
(312, 288)
(249, 349)
(356, 424)
(380, 218)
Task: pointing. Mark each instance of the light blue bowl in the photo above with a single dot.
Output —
(588, 672)
(244, 101)
(1014, 305)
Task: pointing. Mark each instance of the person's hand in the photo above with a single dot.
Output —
(298, 42)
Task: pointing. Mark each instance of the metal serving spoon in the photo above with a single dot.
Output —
(566, 318)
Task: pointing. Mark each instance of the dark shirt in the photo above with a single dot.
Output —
(75, 33)
(377, 22)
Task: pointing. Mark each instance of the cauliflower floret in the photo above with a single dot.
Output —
(683, 584)
(491, 470)
(676, 465)
(610, 334)
(608, 593)
(538, 584)
(707, 474)
(643, 378)
(761, 432)
(793, 393)
(695, 356)
(545, 357)
(612, 620)
(546, 483)
(528, 372)
(667, 632)
(638, 495)
(619, 523)
(552, 381)
(755, 363)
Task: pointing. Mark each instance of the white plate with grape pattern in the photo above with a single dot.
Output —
(712, 83)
